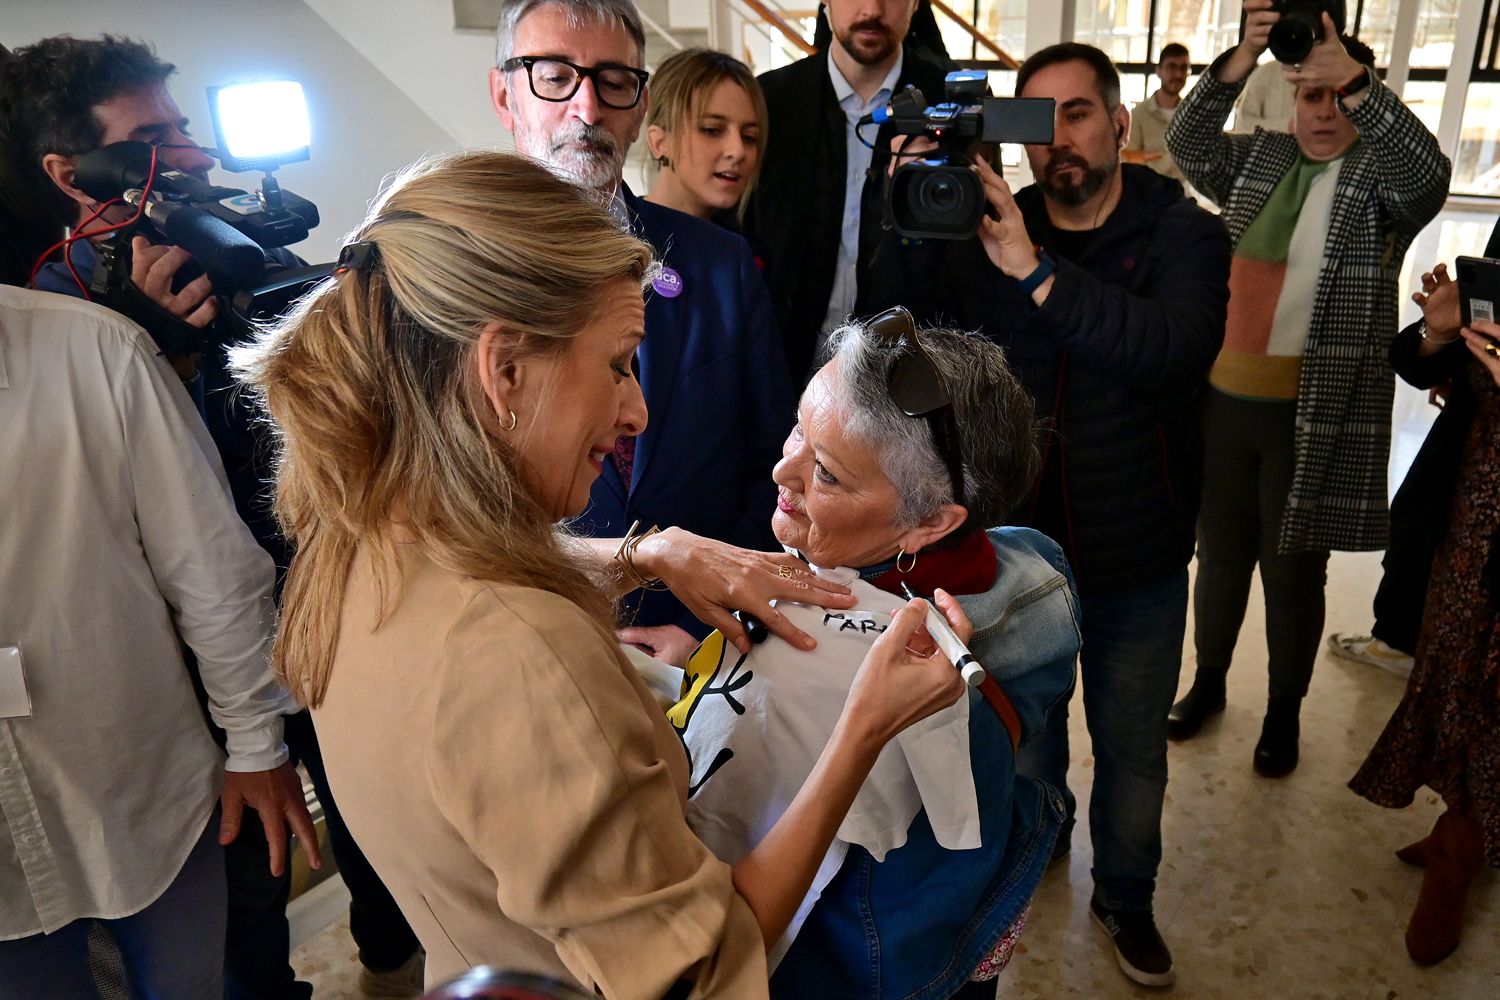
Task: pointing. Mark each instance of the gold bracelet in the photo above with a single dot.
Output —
(625, 556)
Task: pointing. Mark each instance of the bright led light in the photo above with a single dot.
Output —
(266, 120)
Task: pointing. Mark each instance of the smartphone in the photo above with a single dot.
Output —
(1478, 288)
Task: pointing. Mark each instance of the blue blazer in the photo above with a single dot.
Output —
(720, 397)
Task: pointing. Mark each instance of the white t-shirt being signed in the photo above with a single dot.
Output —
(754, 726)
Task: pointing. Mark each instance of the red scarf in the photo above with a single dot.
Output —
(967, 568)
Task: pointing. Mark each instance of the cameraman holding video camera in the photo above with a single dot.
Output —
(1107, 288)
(1297, 417)
(62, 98)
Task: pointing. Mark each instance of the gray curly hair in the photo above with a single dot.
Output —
(997, 429)
(580, 13)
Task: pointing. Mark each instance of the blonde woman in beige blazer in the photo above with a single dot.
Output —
(443, 402)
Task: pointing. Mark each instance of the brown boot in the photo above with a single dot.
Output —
(1454, 853)
(1417, 853)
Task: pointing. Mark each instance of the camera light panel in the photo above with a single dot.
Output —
(261, 123)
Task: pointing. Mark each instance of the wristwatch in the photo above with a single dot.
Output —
(1355, 85)
(1045, 268)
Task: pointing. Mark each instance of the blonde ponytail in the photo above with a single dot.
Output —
(371, 386)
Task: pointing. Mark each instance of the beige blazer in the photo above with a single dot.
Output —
(517, 788)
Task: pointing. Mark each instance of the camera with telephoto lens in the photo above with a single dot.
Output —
(1301, 26)
(940, 196)
(229, 232)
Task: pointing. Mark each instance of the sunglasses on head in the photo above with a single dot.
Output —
(918, 390)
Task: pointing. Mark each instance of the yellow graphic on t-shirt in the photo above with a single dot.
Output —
(700, 668)
(701, 679)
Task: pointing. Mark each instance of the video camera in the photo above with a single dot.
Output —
(940, 196)
(1301, 26)
(228, 231)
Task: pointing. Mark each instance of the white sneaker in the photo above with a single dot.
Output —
(1371, 651)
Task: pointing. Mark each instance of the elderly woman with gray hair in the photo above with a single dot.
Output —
(909, 447)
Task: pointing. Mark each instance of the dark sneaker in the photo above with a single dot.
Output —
(1142, 954)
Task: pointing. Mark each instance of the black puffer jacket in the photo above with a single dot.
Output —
(1114, 359)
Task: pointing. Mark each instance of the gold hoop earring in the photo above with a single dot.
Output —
(512, 425)
(908, 569)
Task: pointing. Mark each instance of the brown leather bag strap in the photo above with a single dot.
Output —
(1000, 702)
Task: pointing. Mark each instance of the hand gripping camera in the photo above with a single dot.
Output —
(1301, 27)
(940, 196)
(228, 231)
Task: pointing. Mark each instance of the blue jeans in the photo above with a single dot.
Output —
(172, 950)
(1131, 656)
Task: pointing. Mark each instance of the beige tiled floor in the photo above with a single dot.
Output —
(1268, 888)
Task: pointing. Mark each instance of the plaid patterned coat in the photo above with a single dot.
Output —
(1391, 184)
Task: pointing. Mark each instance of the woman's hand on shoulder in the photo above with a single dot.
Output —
(905, 677)
(715, 579)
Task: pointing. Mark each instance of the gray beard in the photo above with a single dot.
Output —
(1074, 195)
(598, 168)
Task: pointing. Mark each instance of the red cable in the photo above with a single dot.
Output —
(79, 233)
(66, 246)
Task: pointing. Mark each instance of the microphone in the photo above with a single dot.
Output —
(907, 101)
(222, 249)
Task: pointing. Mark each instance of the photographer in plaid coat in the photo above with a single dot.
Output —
(1297, 417)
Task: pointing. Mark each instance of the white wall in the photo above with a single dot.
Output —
(364, 127)
(413, 42)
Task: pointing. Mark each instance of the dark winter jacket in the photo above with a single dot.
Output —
(1114, 359)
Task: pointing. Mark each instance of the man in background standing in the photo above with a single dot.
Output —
(1149, 120)
(817, 206)
(569, 83)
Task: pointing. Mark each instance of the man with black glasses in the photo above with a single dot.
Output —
(568, 82)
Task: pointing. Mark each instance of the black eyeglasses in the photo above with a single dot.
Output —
(918, 390)
(554, 79)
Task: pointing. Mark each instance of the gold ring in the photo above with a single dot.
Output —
(1492, 349)
(785, 572)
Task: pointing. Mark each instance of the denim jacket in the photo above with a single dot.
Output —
(917, 925)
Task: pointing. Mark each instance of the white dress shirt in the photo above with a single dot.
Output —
(119, 535)
(857, 161)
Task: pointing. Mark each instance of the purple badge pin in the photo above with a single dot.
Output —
(668, 283)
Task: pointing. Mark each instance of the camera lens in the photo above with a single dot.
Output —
(941, 196)
(938, 194)
(940, 200)
(1301, 27)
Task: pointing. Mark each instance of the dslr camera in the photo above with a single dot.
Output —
(1301, 26)
(228, 231)
(940, 196)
